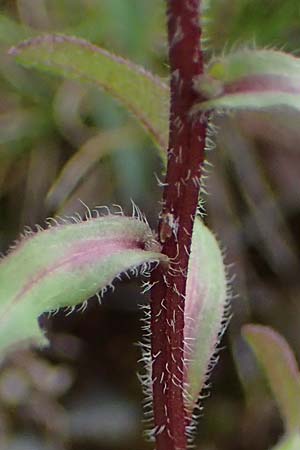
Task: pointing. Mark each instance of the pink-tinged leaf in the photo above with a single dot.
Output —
(280, 367)
(64, 266)
(251, 80)
(205, 304)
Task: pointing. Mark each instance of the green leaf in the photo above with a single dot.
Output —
(280, 367)
(251, 80)
(205, 304)
(65, 265)
(146, 96)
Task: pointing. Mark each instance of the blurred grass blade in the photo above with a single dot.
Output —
(21, 124)
(64, 266)
(280, 367)
(251, 79)
(11, 31)
(146, 96)
(206, 19)
(91, 152)
(292, 442)
(205, 304)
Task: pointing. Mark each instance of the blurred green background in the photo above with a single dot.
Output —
(62, 141)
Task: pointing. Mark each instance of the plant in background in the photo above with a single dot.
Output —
(67, 263)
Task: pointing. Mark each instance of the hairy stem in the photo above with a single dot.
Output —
(180, 200)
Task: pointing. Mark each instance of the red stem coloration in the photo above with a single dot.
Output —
(180, 200)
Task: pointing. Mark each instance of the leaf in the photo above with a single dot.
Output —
(280, 367)
(65, 265)
(251, 80)
(146, 96)
(205, 304)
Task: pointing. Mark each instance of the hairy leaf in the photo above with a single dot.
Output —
(280, 367)
(65, 265)
(250, 79)
(205, 304)
(143, 94)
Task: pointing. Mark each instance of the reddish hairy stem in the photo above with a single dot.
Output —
(180, 200)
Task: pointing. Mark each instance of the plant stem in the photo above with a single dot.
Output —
(180, 200)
